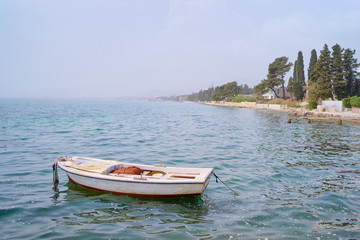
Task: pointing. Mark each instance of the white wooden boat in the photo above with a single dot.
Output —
(141, 180)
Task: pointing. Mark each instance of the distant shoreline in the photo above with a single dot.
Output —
(301, 112)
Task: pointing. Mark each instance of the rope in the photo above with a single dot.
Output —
(55, 174)
(216, 178)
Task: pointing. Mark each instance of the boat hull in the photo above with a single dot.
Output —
(139, 188)
(147, 180)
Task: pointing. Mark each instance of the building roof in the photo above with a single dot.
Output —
(270, 93)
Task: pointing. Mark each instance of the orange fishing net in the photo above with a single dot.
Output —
(128, 170)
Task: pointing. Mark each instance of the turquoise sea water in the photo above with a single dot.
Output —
(288, 175)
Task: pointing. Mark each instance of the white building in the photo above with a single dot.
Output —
(279, 92)
(269, 95)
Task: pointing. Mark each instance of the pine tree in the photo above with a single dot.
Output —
(299, 78)
(275, 78)
(350, 73)
(322, 75)
(313, 60)
(277, 71)
(338, 83)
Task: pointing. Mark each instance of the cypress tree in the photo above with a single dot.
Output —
(289, 87)
(313, 60)
(338, 83)
(299, 78)
(294, 80)
(350, 66)
(322, 75)
(295, 72)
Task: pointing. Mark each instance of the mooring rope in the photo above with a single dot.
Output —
(55, 174)
(216, 177)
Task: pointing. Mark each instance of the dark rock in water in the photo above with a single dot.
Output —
(350, 171)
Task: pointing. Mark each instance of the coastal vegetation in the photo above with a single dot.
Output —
(229, 92)
(296, 86)
(334, 75)
(288, 102)
(243, 98)
(353, 101)
(275, 77)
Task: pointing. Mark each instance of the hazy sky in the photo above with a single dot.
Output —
(135, 48)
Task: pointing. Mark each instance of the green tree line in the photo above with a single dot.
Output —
(220, 93)
(333, 75)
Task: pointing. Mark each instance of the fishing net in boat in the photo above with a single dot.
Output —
(128, 170)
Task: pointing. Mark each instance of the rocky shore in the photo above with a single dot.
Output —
(300, 112)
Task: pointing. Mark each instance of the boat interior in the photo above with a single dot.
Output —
(121, 170)
(140, 172)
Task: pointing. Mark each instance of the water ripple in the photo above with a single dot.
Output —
(290, 176)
